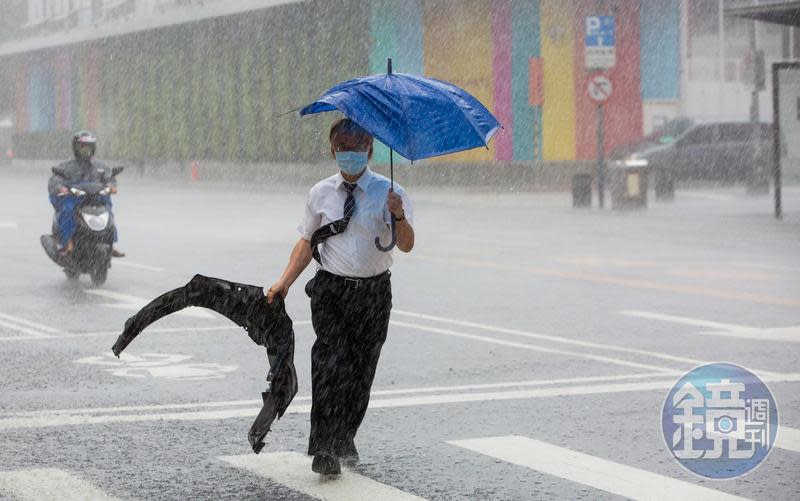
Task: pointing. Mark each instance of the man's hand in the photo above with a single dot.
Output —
(113, 190)
(278, 288)
(395, 204)
(62, 191)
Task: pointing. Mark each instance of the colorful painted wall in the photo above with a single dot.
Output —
(213, 90)
(524, 60)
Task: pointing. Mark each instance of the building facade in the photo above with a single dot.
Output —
(182, 79)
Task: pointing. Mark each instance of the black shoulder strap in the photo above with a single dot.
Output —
(325, 232)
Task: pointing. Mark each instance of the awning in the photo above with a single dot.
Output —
(786, 13)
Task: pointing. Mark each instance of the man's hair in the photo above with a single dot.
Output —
(347, 127)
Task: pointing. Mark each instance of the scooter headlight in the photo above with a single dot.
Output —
(77, 192)
(106, 190)
(96, 222)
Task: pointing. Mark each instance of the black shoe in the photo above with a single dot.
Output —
(326, 464)
(116, 252)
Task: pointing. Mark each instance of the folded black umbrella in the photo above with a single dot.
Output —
(267, 324)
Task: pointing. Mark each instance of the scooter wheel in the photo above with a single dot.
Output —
(71, 274)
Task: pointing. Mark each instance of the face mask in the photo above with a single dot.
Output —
(352, 162)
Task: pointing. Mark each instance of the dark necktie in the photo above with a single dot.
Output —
(334, 227)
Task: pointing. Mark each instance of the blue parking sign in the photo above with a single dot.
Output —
(598, 43)
(599, 31)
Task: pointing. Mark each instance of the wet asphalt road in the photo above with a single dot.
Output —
(515, 315)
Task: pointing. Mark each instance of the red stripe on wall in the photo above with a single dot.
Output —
(623, 111)
(501, 67)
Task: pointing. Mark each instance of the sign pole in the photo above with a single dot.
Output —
(601, 175)
(776, 140)
(599, 53)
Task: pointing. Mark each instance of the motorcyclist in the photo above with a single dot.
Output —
(82, 169)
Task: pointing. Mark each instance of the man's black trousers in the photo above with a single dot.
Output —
(351, 319)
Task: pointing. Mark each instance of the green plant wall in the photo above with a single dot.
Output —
(215, 89)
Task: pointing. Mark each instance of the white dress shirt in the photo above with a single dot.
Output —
(353, 253)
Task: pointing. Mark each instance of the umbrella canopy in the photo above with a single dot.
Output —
(415, 116)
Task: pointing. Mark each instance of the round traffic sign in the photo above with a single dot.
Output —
(599, 88)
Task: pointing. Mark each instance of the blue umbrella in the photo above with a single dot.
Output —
(415, 116)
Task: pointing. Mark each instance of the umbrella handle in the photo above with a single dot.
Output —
(394, 238)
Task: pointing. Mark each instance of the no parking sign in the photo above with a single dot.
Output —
(599, 88)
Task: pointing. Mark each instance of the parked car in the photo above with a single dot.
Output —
(662, 135)
(727, 152)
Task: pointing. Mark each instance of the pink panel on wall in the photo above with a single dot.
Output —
(501, 66)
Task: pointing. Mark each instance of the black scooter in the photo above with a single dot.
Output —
(94, 235)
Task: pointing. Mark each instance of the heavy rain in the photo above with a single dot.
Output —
(399, 249)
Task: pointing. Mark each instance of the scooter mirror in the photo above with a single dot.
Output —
(117, 170)
(58, 171)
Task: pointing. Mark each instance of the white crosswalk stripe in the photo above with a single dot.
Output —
(788, 438)
(595, 472)
(48, 483)
(293, 470)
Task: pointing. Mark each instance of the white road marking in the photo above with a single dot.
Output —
(519, 384)
(790, 334)
(399, 391)
(293, 470)
(767, 266)
(554, 339)
(8, 225)
(29, 333)
(23, 321)
(685, 320)
(788, 438)
(531, 347)
(49, 483)
(158, 365)
(149, 329)
(55, 420)
(135, 303)
(707, 196)
(598, 473)
(129, 264)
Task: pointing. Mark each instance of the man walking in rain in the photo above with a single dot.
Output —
(351, 295)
